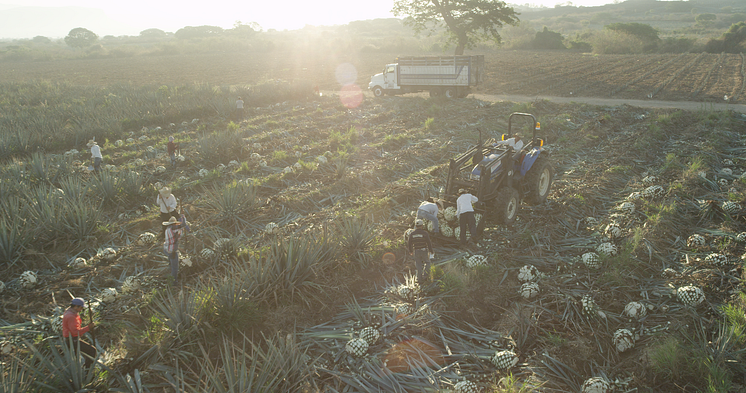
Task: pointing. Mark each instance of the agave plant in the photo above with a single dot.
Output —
(231, 203)
(356, 237)
(59, 368)
(15, 377)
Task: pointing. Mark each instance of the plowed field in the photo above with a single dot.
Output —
(677, 77)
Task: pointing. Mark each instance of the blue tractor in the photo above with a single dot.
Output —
(503, 173)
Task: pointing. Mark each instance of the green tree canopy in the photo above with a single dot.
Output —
(467, 21)
(705, 18)
(732, 41)
(198, 32)
(547, 39)
(640, 30)
(80, 38)
(153, 34)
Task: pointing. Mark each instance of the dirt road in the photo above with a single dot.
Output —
(685, 105)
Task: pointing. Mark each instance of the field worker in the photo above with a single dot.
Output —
(167, 203)
(95, 154)
(172, 146)
(428, 210)
(174, 231)
(465, 213)
(421, 248)
(72, 330)
(239, 108)
(515, 142)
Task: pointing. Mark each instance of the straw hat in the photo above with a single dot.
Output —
(92, 142)
(171, 221)
(165, 191)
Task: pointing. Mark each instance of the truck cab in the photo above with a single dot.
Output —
(385, 81)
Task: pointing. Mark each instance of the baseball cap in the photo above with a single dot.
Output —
(78, 302)
(419, 223)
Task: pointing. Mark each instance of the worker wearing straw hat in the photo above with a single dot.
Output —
(166, 201)
(174, 230)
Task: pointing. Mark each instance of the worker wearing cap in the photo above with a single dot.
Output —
(72, 330)
(95, 154)
(174, 230)
(428, 210)
(420, 246)
(465, 213)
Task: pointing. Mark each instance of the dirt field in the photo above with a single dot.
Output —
(669, 77)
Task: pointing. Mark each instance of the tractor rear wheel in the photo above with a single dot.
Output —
(506, 205)
(539, 181)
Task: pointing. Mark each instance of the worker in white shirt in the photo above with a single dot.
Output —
(167, 203)
(428, 210)
(465, 213)
(515, 142)
(95, 154)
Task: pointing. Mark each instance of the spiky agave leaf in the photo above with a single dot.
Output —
(59, 368)
(356, 236)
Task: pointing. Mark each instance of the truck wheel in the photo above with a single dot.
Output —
(434, 93)
(506, 205)
(539, 181)
(378, 91)
(450, 92)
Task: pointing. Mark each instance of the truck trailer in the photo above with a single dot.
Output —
(450, 76)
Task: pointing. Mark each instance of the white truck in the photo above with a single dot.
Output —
(451, 76)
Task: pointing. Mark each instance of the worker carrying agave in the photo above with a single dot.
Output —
(167, 203)
(421, 248)
(174, 231)
(428, 210)
(72, 331)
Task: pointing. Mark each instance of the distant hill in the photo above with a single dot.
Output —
(56, 22)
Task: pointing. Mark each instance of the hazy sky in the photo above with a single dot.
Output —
(170, 15)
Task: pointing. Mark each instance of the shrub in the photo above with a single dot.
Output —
(547, 39)
(615, 42)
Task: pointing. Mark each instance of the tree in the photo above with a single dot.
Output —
(547, 39)
(646, 33)
(80, 38)
(40, 39)
(190, 32)
(705, 18)
(467, 21)
(153, 33)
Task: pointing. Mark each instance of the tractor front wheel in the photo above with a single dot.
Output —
(539, 181)
(506, 205)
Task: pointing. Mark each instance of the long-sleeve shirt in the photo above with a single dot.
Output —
(71, 324)
(171, 147)
(419, 239)
(171, 244)
(463, 203)
(429, 207)
(167, 204)
(96, 152)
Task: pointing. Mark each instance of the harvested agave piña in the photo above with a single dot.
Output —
(146, 238)
(186, 261)
(635, 310)
(613, 230)
(626, 207)
(653, 192)
(723, 182)
(476, 260)
(203, 172)
(357, 347)
(109, 295)
(609, 249)
(77, 263)
(592, 260)
(716, 259)
(465, 387)
(589, 306)
(28, 279)
(595, 385)
(731, 207)
(370, 334)
(407, 233)
(726, 172)
(255, 156)
(504, 360)
(108, 253)
(529, 290)
(528, 273)
(649, 180)
(690, 295)
(696, 240)
(450, 213)
(272, 228)
(445, 230)
(207, 253)
(741, 237)
(130, 284)
(321, 159)
(623, 340)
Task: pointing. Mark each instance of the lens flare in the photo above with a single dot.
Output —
(351, 96)
(346, 74)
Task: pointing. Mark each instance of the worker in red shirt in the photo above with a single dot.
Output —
(72, 330)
